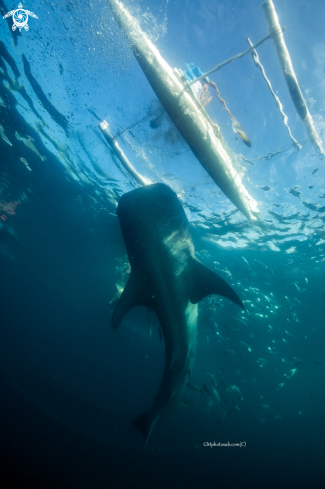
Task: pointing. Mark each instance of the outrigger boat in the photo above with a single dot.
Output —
(175, 94)
(189, 116)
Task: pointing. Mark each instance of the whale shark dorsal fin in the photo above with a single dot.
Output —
(135, 294)
(204, 282)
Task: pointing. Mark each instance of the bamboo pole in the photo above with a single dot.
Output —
(230, 60)
(276, 98)
(289, 74)
(121, 156)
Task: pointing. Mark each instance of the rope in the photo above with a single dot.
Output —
(276, 98)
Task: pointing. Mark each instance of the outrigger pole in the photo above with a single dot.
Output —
(121, 156)
(233, 58)
(289, 74)
(276, 33)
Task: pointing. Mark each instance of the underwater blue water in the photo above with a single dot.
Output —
(70, 388)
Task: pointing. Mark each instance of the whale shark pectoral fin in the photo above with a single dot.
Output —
(204, 282)
(135, 294)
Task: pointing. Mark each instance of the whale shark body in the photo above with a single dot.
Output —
(167, 277)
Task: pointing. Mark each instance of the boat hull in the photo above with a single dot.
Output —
(175, 94)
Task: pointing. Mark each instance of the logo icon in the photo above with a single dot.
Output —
(20, 18)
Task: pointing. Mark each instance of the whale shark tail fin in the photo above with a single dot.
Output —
(144, 425)
(204, 282)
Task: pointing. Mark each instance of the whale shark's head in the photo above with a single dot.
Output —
(157, 196)
(152, 217)
(150, 205)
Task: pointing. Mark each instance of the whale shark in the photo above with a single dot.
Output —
(167, 277)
